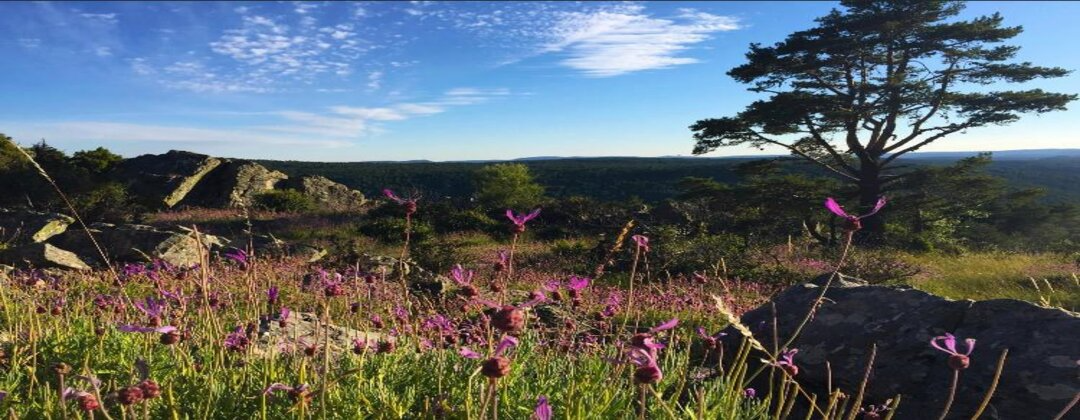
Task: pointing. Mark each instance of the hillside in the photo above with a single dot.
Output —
(618, 178)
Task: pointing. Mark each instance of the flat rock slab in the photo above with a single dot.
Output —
(1041, 374)
(138, 243)
(327, 193)
(25, 226)
(304, 329)
(42, 256)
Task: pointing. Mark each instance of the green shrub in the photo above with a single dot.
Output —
(291, 201)
(470, 220)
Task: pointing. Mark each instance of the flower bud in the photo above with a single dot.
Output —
(647, 375)
(959, 362)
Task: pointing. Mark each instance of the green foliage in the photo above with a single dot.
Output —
(507, 185)
(681, 252)
(108, 202)
(392, 229)
(287, 200)
(97, 161)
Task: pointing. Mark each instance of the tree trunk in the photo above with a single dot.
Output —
(873, 227)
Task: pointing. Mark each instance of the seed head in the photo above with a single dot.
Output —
(170, 338)
(150, 389)
(62, 368)
(88, 402)
(495, 367)
(130, 395)
(508, 319)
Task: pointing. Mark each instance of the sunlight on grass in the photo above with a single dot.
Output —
(984, 276)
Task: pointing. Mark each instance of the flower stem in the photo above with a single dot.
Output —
(1069, 406)
(952, 394)
(993, 385)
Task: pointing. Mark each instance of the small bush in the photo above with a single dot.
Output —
(291, 201)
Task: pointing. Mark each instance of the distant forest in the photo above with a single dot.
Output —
(650, 179)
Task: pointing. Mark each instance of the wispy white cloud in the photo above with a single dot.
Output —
(105, 18)
(264, 53)
(30, 42)
(599, 40)
(375, 80)
(346, 121)
(100, 132)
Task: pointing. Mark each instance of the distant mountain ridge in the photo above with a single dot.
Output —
(998, 155)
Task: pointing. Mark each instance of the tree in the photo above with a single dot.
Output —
(876, 81)
(507, 185)
(97, 161)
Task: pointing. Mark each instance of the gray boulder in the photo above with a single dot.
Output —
(328, 194)
(41, 255)
(165, 180)
(304, 329)
(26, 226)
(1040, 375)
(138, 243)
(235, 183)
(418, 278)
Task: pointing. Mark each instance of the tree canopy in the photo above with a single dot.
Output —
(507, 185)
(877, 80)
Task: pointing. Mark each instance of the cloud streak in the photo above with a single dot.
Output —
(335, 126)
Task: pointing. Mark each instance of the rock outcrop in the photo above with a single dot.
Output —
(25, 226)
(42, 255)
(164, 180)
(326, 193)
(133, 243)
(235, 183)
(1040, 375)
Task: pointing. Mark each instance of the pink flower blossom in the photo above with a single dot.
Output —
(957, 360)
(641, 241)
(519, 220)
(853, 222)
(408, 203)
(543, 409)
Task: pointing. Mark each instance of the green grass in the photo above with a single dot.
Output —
(982, 276)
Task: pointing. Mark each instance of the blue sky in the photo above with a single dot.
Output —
(426, 80)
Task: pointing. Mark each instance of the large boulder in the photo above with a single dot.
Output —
(235, 183)
(41, 255)
(26, 226)
(1040, 376)
(138, 243)
(328, 194)
(165, 180)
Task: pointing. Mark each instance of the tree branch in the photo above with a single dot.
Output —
(828, 147)
(803, 155)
